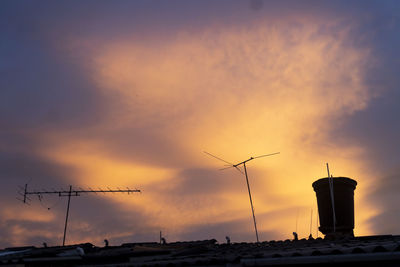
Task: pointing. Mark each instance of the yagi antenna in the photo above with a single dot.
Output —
(236, 166)
(71, 193)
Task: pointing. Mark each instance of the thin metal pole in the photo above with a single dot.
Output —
(330, 179)
(311, 223)
(317, 221)
(66, 217)
(251, 201)
(26, 187)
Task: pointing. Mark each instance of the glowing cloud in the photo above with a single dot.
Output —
(234, 91)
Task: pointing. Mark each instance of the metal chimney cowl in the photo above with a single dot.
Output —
(343, 192)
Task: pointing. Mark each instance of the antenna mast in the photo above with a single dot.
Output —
(316, 223)
(71, 193)
(311, 222)
(236, 166)
(330, 179)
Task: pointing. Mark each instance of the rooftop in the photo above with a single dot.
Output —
(368, 251)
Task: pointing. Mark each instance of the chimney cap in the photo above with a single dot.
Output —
(336, 181)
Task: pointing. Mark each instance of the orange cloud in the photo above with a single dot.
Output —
(236, 92)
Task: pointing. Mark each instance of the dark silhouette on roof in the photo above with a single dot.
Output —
(366, 251)
(336, 208)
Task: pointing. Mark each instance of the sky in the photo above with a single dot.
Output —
(98, 94)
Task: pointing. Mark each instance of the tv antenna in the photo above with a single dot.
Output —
(69, 193)
(236, 166)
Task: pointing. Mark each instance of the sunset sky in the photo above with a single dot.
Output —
(130, 93)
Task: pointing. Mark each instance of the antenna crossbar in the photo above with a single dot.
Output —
(77, 192)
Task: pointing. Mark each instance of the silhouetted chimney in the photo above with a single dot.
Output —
(343, 200)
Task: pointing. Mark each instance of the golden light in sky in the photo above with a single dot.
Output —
(236, 92)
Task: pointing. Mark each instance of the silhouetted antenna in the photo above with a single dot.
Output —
(317, 221)
(70, 193)
(330, 179)
(236, 166)
(311, 223)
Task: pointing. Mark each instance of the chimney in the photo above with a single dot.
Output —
(343, 203)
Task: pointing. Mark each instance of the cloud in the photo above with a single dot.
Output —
(242, 92)
(385, 195)
(91, 219)
(133, 101)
